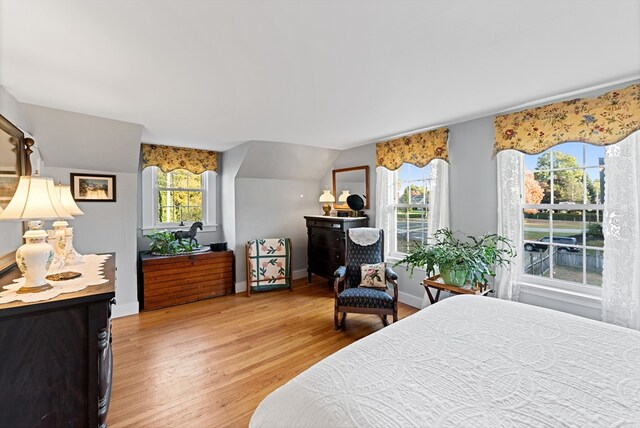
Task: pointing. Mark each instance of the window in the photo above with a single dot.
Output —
(411, 187)
(562, 214)
(176, 197)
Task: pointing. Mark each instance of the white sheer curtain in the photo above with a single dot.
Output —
(438, 201)
(510, 185)
(384, 203)
(621, 229)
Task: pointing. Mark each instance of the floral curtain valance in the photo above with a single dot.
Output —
(417, 149)
(601, 121)
(168, 158)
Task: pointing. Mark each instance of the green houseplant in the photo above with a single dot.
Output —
(164, 243)
(460, 261)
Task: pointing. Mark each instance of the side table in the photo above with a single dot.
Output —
(437, 283)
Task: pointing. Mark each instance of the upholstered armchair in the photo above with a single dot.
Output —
(365, 246)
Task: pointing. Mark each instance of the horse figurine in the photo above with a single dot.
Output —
(191, 233)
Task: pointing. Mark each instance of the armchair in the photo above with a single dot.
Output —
(364, 246)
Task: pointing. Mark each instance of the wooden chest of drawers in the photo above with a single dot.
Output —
(172, 280)
(326, 242)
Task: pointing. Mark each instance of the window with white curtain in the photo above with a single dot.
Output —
(411, 204)
(562, 214)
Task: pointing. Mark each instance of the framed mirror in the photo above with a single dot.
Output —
(355, 180)
(12, 166)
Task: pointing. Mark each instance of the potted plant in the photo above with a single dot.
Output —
(164, 243)
(460, 261)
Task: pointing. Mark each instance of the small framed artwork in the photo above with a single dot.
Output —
(93, 187)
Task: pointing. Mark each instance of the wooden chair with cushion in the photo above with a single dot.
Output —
(268, 263)
(365, 294)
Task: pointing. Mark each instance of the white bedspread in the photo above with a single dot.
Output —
(470, 361)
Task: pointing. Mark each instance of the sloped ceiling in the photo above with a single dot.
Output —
(281, 161)
(214, 74)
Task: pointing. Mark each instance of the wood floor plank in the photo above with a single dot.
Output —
(210, 363)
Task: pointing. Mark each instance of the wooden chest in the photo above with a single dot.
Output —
(172, 280)
(327, 241)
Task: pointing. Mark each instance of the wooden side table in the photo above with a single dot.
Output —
(437, 283)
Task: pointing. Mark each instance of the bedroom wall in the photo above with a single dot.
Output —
(72, 142)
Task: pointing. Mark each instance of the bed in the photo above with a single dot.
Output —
(470, 361)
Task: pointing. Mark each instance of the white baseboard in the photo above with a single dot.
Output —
(410, 299)
(123, 310)
(241, 286)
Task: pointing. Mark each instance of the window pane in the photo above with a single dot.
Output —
(594, 155)
(192, 214)
(195, 199)
(567, 227)
(536, 225)
(536, 263)
(567, 266)
(195, 181)
(594, 259)
(594, 235)
(402, 230)
(162, 178)
(568, 187)
(534, 190)
(593, 186)
(417, 224)
(568, 155)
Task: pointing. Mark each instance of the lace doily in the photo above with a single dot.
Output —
(91, 269)
(364, 235)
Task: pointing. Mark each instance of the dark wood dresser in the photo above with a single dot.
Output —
(326, 242)
(55, 357)
(172, 280)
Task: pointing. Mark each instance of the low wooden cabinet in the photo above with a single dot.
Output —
(327, 241)
(173, 280)
(56, 360)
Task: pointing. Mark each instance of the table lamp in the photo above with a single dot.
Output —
(327, 199)
(61, 237)
(35, 199)
(343, 197)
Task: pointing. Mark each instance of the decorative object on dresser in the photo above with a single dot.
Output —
(353, 181)
(93, 187)
(173, 280)
(268, 264)
(56, 360)
(326, 198)
(61, 237)
(364, 255)
(35, 200)
(326, 241)
(190, 234)
(165, 243)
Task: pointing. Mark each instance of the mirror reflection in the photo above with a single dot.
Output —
(11, 168)
(350, 181)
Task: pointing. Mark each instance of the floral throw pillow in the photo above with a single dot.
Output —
(372, 276)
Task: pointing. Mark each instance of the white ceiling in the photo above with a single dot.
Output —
(323, 73)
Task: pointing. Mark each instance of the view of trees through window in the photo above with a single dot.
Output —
(179, 196)
(563, 213)
(412, 186)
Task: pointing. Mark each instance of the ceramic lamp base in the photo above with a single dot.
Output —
(34, 259)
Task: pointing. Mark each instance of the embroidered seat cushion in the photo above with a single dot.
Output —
(269, 264)
(362, 297)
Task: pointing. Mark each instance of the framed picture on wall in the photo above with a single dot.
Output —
(93, 187)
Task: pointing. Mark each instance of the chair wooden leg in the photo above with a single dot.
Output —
(344, 320)
(395, 317)
(336, 325)
(384, 320)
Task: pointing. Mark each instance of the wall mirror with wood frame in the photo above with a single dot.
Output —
(355, 180)
(12, 166)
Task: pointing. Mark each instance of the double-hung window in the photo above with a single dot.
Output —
(411, 186)
(562, 214)
(173, 199)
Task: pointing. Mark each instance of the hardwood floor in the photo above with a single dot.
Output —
(210, 363)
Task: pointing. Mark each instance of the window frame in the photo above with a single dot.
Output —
(393, 252)
(150, 188)
(554, 283)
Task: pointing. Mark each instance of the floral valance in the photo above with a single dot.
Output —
(417, 149)
(168, 158)
(601, 121)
